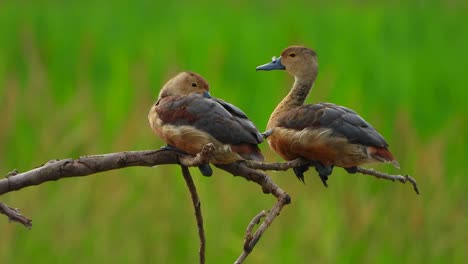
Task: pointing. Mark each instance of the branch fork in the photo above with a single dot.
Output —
(249, 170)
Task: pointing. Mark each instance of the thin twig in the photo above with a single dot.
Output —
(15, 216)
(268, 186)
(272, 214)
(198, 213)
(277, 166)
(253, 222)
(262, 179)
(381, 175)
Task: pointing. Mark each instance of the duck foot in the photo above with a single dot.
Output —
(172, 148)
(267, 133)
(299, 171)
(205, 169)
(324, 172)
(351, 170)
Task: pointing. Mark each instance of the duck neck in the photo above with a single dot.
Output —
(295, 98)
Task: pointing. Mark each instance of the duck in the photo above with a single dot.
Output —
(325, 134)
(186, 117)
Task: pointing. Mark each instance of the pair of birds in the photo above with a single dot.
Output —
(187, 118)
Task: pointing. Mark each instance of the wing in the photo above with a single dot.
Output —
(222, 120)
(343, 121)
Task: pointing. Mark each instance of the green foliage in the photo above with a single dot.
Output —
(78, 79)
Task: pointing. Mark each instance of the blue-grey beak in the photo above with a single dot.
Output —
(275, 64)
(206, 94)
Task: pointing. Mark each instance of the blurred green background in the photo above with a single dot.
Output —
(79, 78)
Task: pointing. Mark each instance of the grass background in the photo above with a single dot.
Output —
(79, 78)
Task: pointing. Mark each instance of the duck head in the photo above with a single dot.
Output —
(185, 83)
(299, 61)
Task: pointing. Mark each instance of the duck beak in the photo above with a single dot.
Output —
(206, 94)
(275, 64)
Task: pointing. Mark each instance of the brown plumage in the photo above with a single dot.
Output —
(329, 134)
(186, 117)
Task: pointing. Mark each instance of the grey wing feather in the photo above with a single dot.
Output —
(222, 120)
(343, 121)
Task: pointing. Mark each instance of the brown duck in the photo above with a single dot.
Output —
(326, 134)
(187, 118)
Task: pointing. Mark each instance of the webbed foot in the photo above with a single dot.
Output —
(172, 148)
(324, 172)
(299, 171)
(351, 169)
(267, 133)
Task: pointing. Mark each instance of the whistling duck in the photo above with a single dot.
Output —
(187, 118)
(326, 134)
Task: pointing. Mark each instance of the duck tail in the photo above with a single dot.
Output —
(382, 155)
(248, 151)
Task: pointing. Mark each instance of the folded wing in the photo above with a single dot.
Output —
(343, 122)
(223, 121)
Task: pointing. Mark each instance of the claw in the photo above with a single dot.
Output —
(324, 179)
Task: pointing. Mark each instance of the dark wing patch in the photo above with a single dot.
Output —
(343, 121)
(231, 108)
(222, 120)
(241, 117)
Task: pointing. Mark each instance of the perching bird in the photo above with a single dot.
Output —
(187, 118)
(326, 134)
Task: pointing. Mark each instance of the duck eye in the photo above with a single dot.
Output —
(194, 84)
(292, 54)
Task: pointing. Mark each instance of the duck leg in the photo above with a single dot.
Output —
(205, 169)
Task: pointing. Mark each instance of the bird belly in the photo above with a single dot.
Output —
(317, 144)
(192, 140)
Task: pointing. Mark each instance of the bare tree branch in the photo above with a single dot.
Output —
(277, 166)
(268, 186)
(249, 244)
(87, 165)
(380, 175)
(253, 222)
(198, 213)
(14, 215)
